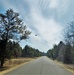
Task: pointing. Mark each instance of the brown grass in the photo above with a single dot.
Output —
(13, 64)
(68, 67)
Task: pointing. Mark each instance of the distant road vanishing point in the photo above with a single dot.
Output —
(40, 66)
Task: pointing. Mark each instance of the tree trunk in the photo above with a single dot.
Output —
(3, 52)
(2, 62)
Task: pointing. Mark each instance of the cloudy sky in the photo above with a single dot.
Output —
(45, 18)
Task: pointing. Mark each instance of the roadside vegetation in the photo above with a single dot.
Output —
(12, 31)
(64, 51)
(12, 63)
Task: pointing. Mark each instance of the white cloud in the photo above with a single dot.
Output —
(59, 6)
(49, 30)
(53, 3)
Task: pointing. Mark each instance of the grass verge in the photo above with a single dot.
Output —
(69, 68)
(13, 64)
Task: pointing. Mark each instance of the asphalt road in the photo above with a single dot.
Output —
(40, 66)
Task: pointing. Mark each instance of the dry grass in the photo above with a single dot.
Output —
(13, 64)
(68, 67)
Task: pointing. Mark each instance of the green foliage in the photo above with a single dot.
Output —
(53, 53)
(11, 27)
(14, 50)
(30, 52)
(67, 54)
(50, 54)
(62, 52)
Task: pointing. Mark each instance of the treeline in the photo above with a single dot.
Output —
(31, 52)
(62, 52)
(15, 51)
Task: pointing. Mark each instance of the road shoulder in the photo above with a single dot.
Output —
(15, 67)
(63, 65)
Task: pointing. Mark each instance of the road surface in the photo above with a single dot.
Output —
(40, 66)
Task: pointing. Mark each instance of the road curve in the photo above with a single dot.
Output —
(40, 66)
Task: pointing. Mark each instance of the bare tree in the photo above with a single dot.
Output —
(69, 38)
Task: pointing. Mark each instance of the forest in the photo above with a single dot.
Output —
(64, 51)
(13, 30)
